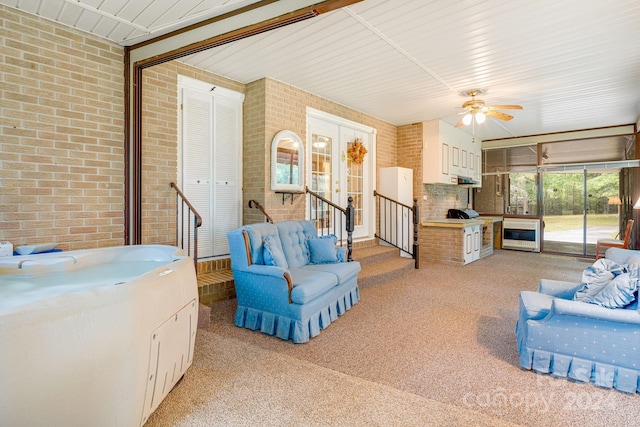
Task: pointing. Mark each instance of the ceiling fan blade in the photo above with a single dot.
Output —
(498, 115)
(459, 123)
(505, 107)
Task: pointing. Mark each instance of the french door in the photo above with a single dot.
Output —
(336, 172)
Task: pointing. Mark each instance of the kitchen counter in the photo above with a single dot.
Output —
(456, 241)
(446, 230)
(452, 222)
(497, 229)
(493, 218)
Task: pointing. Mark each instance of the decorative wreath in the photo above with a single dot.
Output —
(357, 151)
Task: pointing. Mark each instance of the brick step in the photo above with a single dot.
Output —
(216, 286)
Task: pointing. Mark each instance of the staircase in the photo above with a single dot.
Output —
(380, 264)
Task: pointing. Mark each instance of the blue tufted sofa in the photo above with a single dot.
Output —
(582, 340)
(290, 282)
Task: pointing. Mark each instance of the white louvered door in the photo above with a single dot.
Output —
(227, 203)
(210, 166)
(197, 131)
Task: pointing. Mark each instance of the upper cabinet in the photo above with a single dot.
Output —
(450, 155)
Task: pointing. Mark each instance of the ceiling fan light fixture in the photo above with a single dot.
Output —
(476, 111)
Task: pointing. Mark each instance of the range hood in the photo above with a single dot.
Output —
(465, 180)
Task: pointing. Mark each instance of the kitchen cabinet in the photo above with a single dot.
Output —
(449, 153)
(441, 153)
(452, 241)
(472, 237)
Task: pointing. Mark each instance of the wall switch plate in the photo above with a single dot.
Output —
(6, 249)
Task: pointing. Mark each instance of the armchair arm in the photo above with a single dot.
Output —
(262, 274)
(560, 307)
(621, 255)
(557, 288)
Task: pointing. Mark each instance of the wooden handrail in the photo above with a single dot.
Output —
(197, 222)
(254, 204)
(347, 213)
(186, 201)
(329, 202)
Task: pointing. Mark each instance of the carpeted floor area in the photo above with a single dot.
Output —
(435, 347)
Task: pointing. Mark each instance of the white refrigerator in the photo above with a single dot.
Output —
(396, 223)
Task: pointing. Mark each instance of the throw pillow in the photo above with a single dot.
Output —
(618, 293)
(595, 278)
(322, 250)
(272, 253)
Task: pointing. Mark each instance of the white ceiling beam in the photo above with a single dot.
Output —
(107, 15)
(561, 136)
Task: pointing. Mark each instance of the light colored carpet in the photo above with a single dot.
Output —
(435, 347)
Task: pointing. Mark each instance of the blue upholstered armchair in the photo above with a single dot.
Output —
(597, 340)
(290, 282)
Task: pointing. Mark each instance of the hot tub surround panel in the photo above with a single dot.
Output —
(94, 337)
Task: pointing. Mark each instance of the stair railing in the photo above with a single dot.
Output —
(396, 222)
(332, 219)
(186, 214)
(254, 204)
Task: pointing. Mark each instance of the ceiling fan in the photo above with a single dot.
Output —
(476, 110)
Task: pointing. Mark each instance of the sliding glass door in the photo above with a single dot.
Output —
(579, 208)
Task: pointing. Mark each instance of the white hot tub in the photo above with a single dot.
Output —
(94, 337)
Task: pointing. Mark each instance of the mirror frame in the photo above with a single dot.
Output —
(275, 186)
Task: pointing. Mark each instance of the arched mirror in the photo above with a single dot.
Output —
(287, 162)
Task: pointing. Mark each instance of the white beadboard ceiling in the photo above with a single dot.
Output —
(127, 21)
(571, 64)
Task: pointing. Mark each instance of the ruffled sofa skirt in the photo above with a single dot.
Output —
(532, 341)
(302, 322)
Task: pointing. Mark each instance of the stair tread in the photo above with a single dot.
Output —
(217, 276)
(374, 250)
(389, 265)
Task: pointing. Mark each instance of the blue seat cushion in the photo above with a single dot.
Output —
(344, 271)
(535, 305)
(308, 285)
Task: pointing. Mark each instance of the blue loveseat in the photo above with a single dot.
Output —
(290, 282)
(560, 334)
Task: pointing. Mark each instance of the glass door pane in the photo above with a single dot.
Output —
(564, 213)
(603, 208)
(354, 186)
(321, 176)
(355, 176)
(579, 209)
